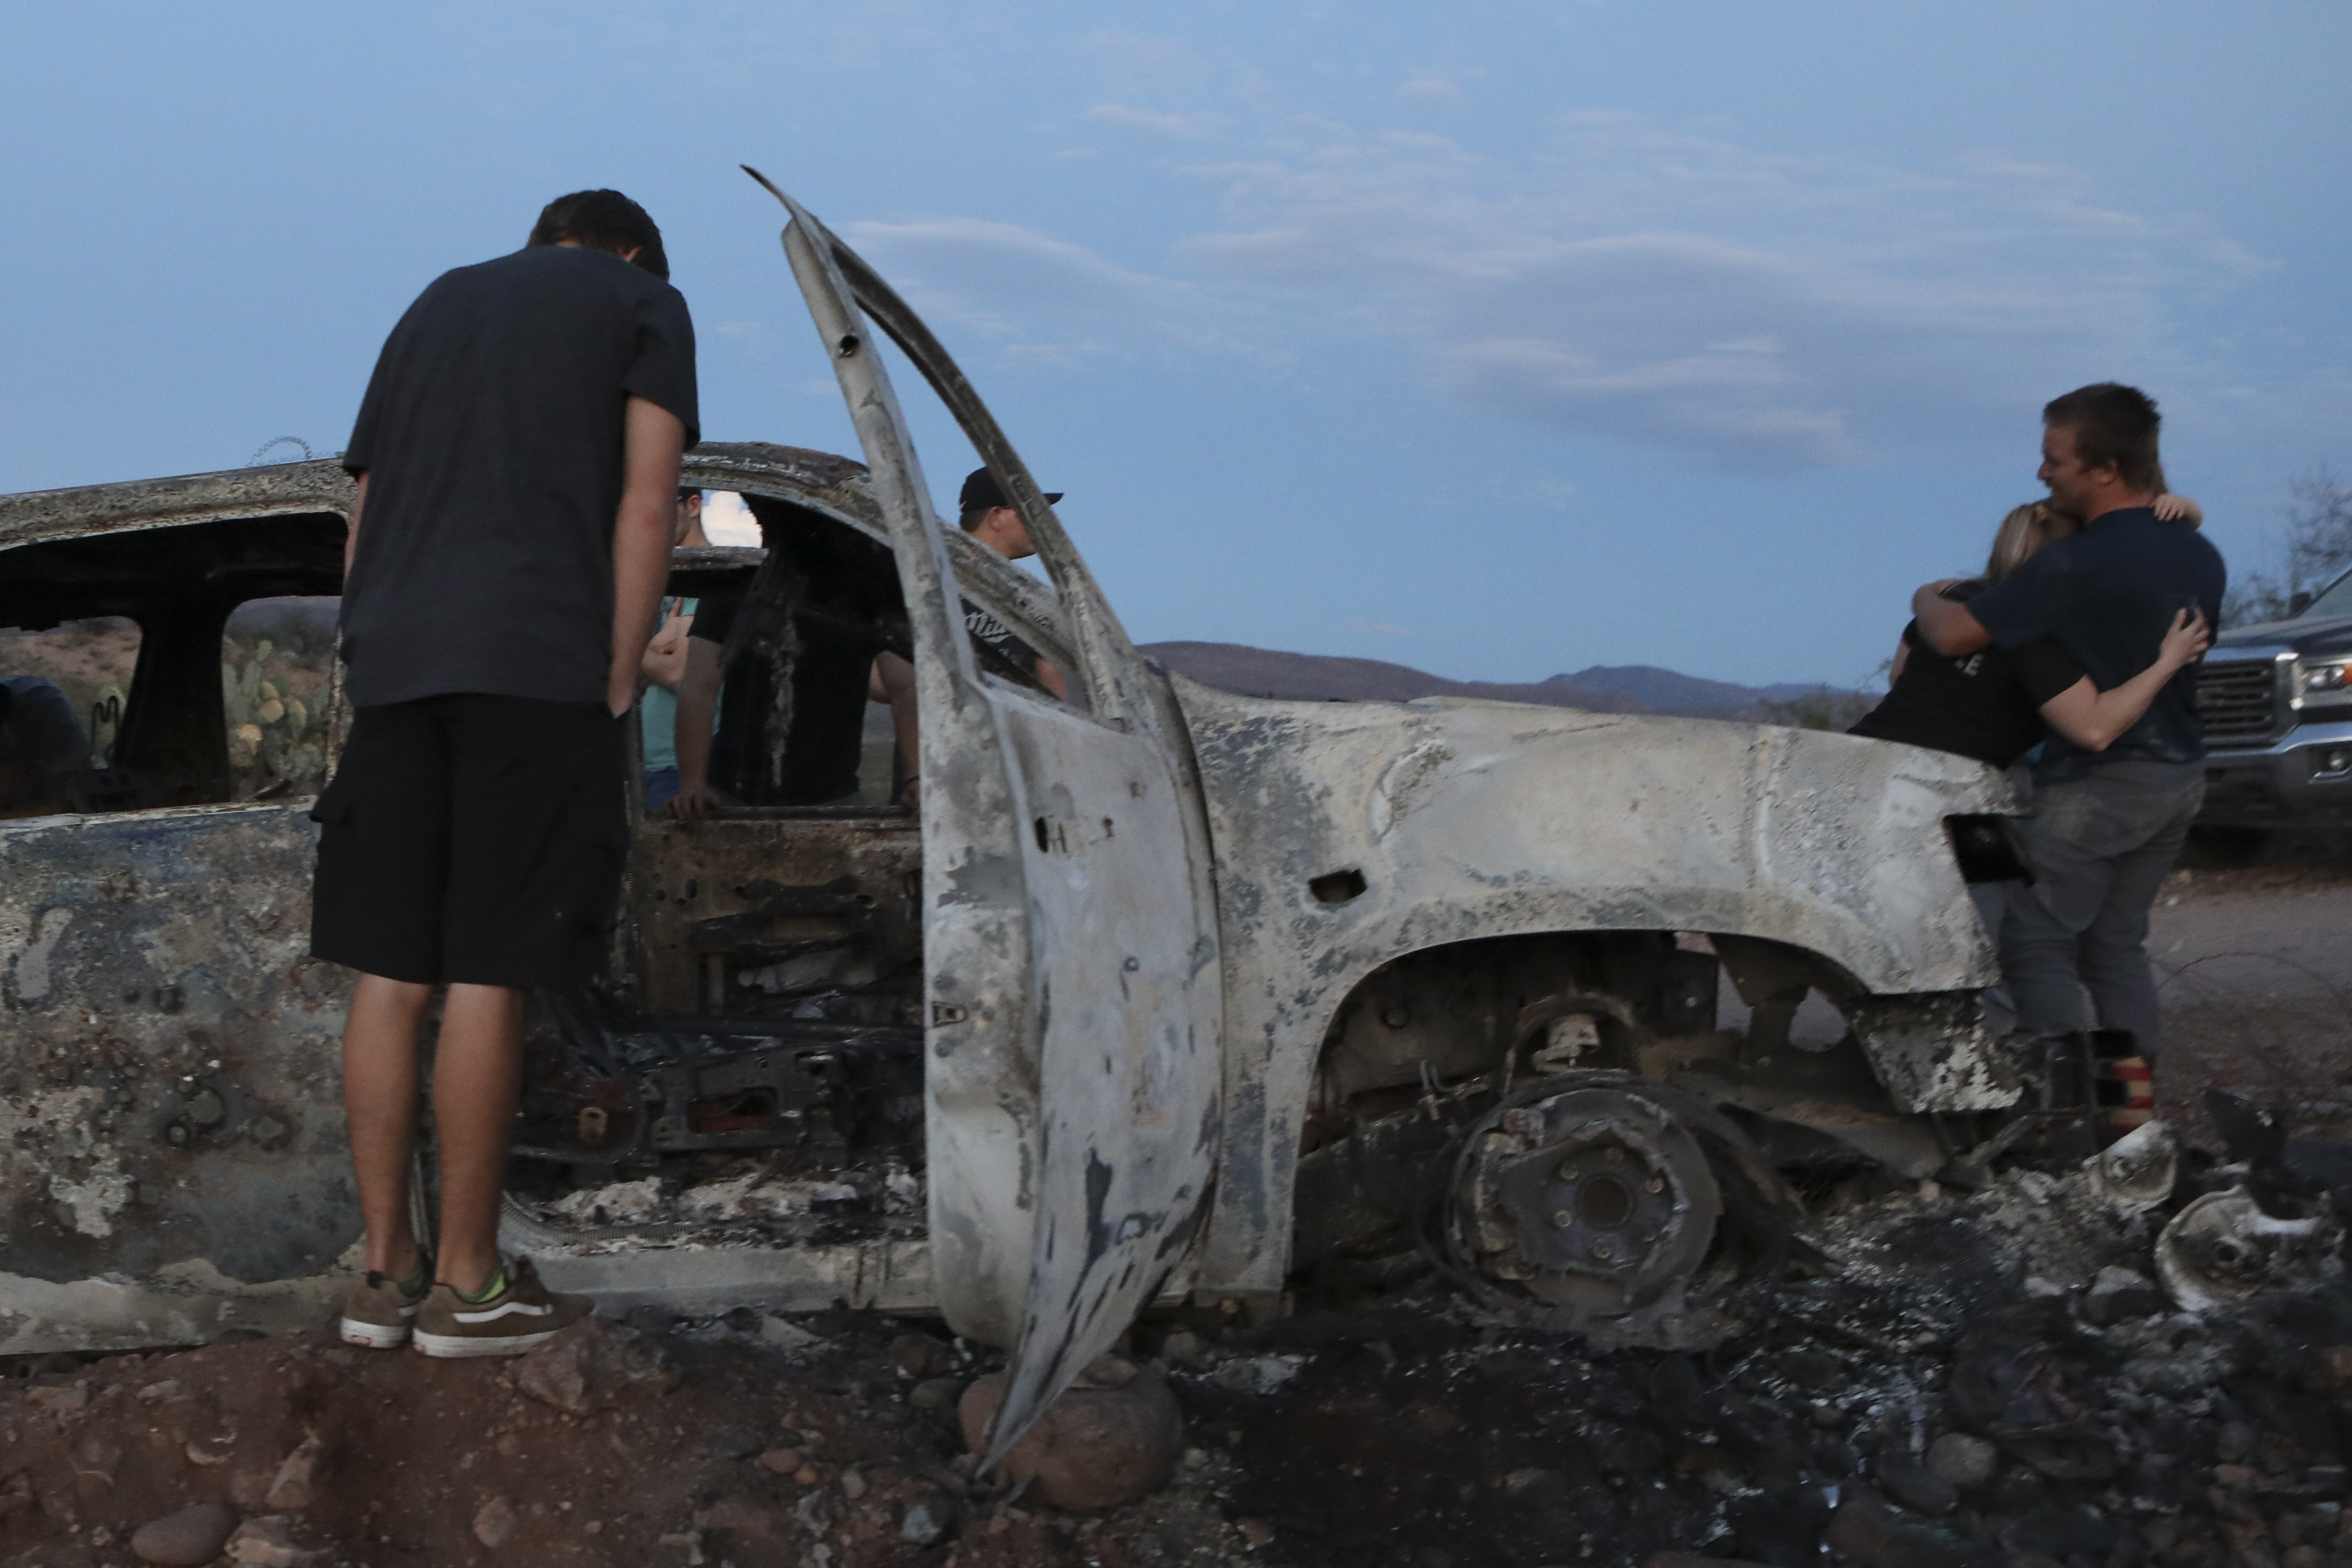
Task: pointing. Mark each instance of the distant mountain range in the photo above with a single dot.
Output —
(1604, 688)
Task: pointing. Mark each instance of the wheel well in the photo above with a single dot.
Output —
(1487, 1016)
(1450, 1012)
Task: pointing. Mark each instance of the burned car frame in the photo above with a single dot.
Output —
(1165, 993)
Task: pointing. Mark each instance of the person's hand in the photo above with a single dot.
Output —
(2171, 508)
(911, 795)
(688, 805)
(664, 662)
(2187, 639)
(1941, 583)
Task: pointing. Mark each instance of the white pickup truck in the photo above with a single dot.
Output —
(1165, 993)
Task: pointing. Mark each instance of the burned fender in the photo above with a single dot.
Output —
(1350, 833)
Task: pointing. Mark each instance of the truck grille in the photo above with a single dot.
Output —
(2238, 702)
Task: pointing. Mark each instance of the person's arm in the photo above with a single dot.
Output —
(894, 683)
(653, 441)
(1049, 675)
(698, 707)
(1945, 624)
(352, 529)
(664, 664)
(2091, 718)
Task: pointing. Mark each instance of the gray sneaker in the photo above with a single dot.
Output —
(522, 1314)
(378, 1313)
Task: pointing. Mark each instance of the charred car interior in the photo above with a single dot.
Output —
(759, 1034)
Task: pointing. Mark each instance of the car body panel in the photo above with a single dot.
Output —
(1072, 1072)
(172, 1154)
(87, 510)
(1469, 820)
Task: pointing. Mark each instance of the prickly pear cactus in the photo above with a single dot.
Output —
(271, 737)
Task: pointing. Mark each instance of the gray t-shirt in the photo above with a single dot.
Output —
(491, 437)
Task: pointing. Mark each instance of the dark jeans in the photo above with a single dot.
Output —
(2099, 846)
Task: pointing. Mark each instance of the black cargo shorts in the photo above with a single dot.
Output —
(472, 839)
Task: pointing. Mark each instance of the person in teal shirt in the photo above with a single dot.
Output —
(664, 666)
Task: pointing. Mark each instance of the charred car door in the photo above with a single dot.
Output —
(173, 1162)
(1073, 1062)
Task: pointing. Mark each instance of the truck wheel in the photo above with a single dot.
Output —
(1612, 1206)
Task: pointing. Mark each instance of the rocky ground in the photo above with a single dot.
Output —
(1957, 1378)
(1949, 1386)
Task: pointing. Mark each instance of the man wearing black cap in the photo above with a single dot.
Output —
(982, 512)
(986, 516)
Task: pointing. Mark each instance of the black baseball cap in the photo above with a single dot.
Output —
(982, 491)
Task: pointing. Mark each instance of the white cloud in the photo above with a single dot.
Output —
(1431, 84)
(1038, 298)
(1615, 278)
(1184, 127)
(1758, 310)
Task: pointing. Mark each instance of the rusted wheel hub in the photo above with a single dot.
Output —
(1594, 1198)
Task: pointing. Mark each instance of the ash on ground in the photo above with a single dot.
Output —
(1957, 1378)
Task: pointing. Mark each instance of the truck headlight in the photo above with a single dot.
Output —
(2316, 678)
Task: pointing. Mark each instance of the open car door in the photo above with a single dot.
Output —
(1072, 1057)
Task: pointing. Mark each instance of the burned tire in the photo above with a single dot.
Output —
(1607, 1204)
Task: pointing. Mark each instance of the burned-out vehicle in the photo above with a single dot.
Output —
(1164, 994)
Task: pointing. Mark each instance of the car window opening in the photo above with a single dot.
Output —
(751, 1069)
(196, 660)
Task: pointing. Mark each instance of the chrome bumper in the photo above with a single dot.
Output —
(2304, 775)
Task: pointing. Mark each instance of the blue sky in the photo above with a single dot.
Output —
(1498, 339)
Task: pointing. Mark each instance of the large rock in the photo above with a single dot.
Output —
(192, 1536)
(1877, 1534)
(1115, 1436)
(297, 1477)
(919, 1356)
(929, 1519)
(268, 1544)
(494, 1521)
(2118, 1295)
(1916, 1485)
(591, 1366)
(1964, 1459)
(67, 1400)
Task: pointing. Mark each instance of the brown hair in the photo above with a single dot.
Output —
(2026, 529)
(2112, 424)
